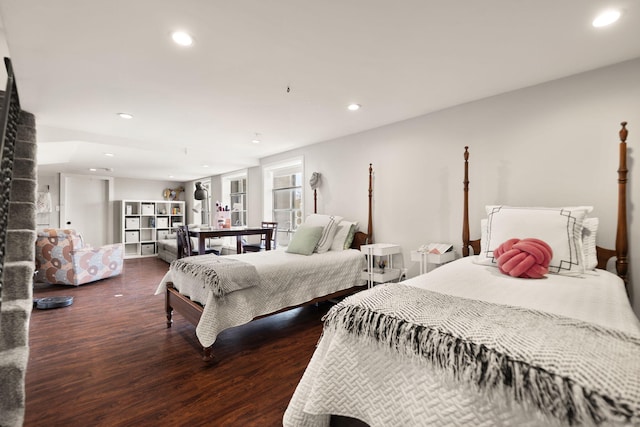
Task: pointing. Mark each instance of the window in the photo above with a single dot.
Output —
(283, 196)
(234, 195)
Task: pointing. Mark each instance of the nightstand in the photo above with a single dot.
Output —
(425, 258)
(380, 253)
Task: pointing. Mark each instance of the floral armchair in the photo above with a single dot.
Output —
(62, 258)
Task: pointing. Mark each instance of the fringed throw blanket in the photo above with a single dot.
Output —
(220, 274)
(574, 371)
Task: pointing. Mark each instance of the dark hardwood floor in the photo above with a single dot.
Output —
(109, 360)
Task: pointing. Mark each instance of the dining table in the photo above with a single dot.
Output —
(207, 233)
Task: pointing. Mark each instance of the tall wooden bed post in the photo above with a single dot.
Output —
(467, 243)
(315, 200)
(370, 223)
(622, 244)
(465, 210)
(362, 238)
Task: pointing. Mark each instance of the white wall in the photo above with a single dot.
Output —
(254, 196)
(124, 188)
(553, 144)
(50, 183)
(140, 189)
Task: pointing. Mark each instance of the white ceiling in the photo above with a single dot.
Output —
(78, 63)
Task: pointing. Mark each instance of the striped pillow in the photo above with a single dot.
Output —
(330, 224)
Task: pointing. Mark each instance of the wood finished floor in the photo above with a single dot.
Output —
(109, 360)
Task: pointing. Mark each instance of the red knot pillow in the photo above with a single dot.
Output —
(526, 258)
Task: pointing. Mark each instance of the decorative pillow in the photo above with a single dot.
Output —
(305, 240)
(561, 228)
(330, 225)
(352, 233)
(526, 258)
(342, 233)
(589, 230)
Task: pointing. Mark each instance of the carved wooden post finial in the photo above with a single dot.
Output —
(623, 132)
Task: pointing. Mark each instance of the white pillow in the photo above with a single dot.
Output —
(560, 228)
(589, 231)
(342, 232)
(483, 235)
(330, 224)
(590, 228)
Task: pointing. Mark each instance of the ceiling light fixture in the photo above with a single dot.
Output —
(109, 154)
(125, 116)
(607, 17)
(256, 139)
(354, 107)
(182, 38)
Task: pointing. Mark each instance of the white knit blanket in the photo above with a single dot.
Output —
(220, 274)
(570, 370)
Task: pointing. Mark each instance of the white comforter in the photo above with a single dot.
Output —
(286, 280)
(357, 378)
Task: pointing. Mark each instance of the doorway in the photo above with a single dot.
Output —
(86, 207)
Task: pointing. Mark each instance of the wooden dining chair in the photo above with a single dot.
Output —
(185, 246)
(184, 242)
(257, 247)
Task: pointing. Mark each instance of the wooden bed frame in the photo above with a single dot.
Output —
(192, 311)
(620, 252)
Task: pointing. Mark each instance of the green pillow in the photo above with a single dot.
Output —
(305, 240)
(349, 240)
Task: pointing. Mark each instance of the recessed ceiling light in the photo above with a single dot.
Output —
(205, 166)
(354, 107)
(256, 139)
(182, 38)
(125, 116)
(109, 154)
(607, 17)
(93, 169)
(170, 176)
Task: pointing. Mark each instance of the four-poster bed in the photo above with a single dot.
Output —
(467, 344)
(262, 283)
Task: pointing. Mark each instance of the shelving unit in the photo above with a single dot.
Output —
(376, 252)
(143, 222)
(238, 198)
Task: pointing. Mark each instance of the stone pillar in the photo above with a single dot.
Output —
(19, 264)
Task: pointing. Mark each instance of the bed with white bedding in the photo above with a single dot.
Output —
(281, 280)
(356, 375)
(322, 262)
(467, 344)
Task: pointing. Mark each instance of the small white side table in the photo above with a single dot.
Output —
(374, 274)
(425, 258)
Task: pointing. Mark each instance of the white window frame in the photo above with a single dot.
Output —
(268, 172)
(226, 189)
